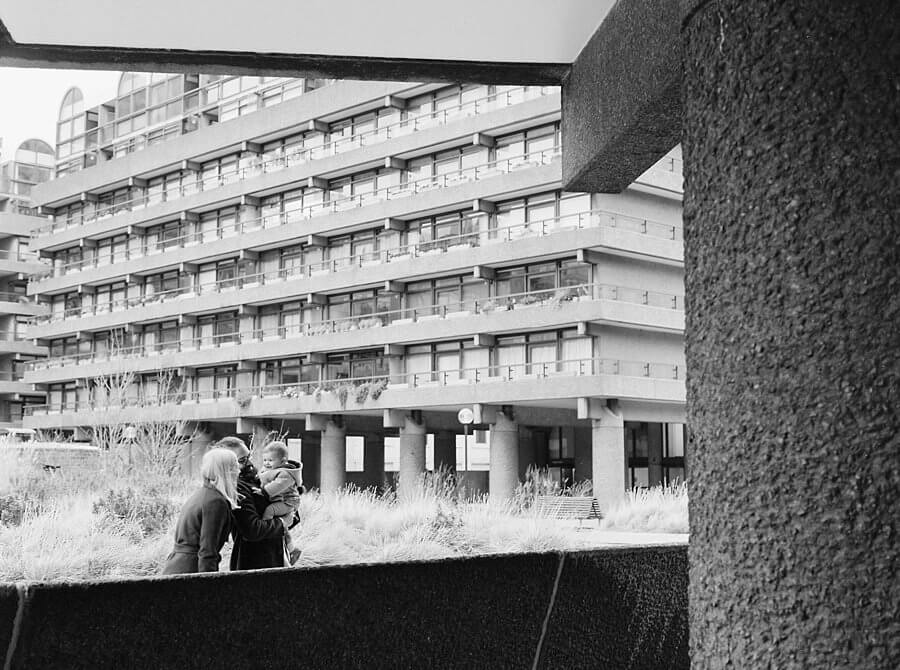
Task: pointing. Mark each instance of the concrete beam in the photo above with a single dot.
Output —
(395, 418)
(190, 166)
(189, 217)
(137, 182)
(395, 224)
(394, 101)
(483, 140)
(317, 126)
(484, 340)
(621, 109)
(317, 182)
(251, 147)
(316, 241)
(316, 421)
(316, 299)
(316, 357)
(249, 201)
(394, 350)
(485, 413)
(486, 206)
(587, 328)
(394, 163)
(589, 256)
(247, 310)
(247, 255)
(394, 286)
(591, 408)
(483, 272)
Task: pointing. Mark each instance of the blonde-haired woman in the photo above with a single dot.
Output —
(205, 519)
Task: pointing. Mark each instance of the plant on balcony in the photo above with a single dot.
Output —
(563, 295)
(370, 322)
(377, 387)
(243, 398)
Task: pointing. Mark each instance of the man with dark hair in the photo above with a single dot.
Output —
(258, 543)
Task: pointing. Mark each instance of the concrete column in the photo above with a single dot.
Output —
(412, 455)
(504, 470)
(334, 457)
(792, 250)
(445, 450)
(608, 456)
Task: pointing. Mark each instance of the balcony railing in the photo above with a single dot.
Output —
(517, 372)
(106, 137)
(481, 235)
(254, 168)
(554, 298)
(476, 173)
(19, 256)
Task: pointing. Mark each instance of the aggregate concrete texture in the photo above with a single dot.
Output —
(792, 253)
(621, 103)
(498, 612)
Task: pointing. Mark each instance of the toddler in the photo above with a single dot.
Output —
(281, 479)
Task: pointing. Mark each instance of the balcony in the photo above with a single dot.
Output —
(19, 262)
(253, 168)
(569, 305)
(11, 344)
(616, 231)
(523, 383)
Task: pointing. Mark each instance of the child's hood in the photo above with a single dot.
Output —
(294, 469)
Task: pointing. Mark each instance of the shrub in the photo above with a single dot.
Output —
(12, 509)
(150, 508)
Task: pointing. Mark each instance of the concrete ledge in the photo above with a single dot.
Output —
(608, 608)
(622, 101)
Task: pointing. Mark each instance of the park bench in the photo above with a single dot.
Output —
(569, 507)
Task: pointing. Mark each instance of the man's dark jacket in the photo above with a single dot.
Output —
(257, 543)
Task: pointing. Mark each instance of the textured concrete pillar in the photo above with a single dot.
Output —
(608, 457)
(445, 450)
(412, 455)
(792, 253)
(334, 457)
(504, 470)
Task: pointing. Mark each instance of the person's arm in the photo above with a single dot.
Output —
(282, 482)
(214, 524)
(251, 526)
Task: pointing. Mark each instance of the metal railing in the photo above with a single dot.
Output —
(516, 372)
(105, 136)
(257, 167)
(481, 235)
(476, 173)
(554, 298)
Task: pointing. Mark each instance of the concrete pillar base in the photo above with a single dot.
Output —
(334, 458)
(608, 457)
(504, 469)
(412, 456)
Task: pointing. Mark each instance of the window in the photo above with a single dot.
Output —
(214, 383)
(158, 337)
(357, 364)
(217, 329)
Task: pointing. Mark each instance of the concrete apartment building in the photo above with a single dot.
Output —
(31, 164)
(341, 259)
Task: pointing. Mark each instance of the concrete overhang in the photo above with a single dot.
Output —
(618, 62)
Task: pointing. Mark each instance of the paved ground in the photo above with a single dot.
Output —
(591, 537)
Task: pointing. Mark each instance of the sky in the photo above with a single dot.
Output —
(30, 100)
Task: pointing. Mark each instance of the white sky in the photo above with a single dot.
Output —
(30, 99)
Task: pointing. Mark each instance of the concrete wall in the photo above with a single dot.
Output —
(602, 609)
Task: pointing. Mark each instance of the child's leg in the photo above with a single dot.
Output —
(277, 509)
(288, 540)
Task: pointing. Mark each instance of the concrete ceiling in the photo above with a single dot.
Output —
(505, 31)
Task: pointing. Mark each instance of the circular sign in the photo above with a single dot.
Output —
(465, 415)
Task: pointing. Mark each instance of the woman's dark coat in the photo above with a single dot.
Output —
(257, 543)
